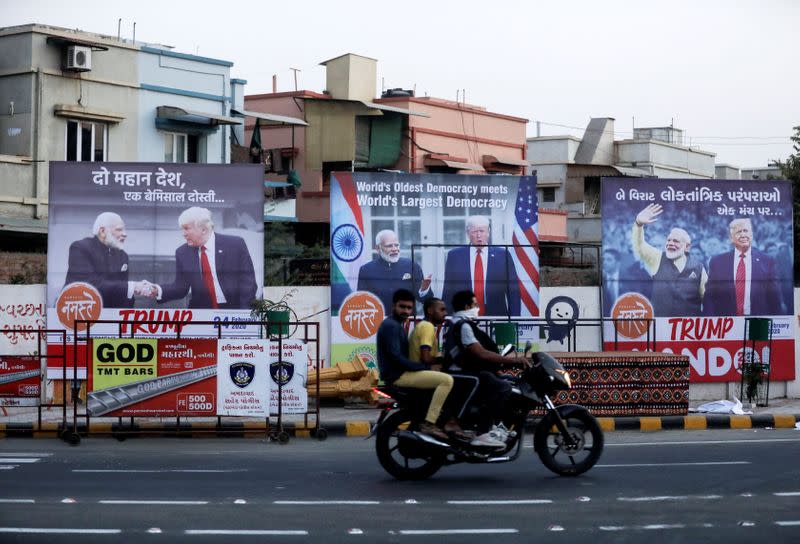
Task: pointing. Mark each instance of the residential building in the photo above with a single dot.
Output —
(69, 95)
(569, 169)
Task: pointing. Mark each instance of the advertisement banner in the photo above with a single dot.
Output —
(21, 308)
(244, 385)
(288, 368)
(153, 242)
(699, 257)
(423, 232)
(152, 377)
(20, 381)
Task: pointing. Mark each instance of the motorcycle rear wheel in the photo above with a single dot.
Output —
(392, 459)
(556, 455)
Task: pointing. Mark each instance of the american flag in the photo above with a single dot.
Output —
(526, 233)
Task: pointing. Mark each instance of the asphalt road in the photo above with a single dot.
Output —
(703, 486)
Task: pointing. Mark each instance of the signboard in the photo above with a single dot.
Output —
(698, 257)
(20, 381)
(244, 386)
(421, 232)
(21, 308)
(152, 377)
(288, 368)
(153, 242)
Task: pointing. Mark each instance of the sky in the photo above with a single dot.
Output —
(723, 71)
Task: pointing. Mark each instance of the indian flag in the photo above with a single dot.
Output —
(350, 250)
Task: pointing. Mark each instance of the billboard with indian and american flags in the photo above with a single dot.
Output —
(435, 235)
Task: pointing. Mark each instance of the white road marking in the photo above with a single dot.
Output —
(19, 460)
(457, 531)
(794, 523)
(504, 501)
(60, 530)
(654, 527)
(114, 501)
(699, 442)
(355, 531)
(555, 528)
(17, 501)
(699, 464)
(259, 532)
(68, 500)
(788, 494)
(120, 471)
(24, 454)
(668, 498)
(240, 501)
(8, 467)
(154, 530)
(311, 503)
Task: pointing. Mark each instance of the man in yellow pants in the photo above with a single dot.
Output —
(399, 370)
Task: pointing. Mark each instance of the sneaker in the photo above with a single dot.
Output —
(499, 433)
(486, 439)
(432, 430)
(502, 433)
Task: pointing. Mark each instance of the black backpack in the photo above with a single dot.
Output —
(455, 354)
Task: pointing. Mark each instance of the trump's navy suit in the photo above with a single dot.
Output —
(234, 268)
(502, 286)
(720, 295)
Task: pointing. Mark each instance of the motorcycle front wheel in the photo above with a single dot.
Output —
(403, 463)
(563, 458)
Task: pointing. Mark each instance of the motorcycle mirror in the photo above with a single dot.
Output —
(507, 349)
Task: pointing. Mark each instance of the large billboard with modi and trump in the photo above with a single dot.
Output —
(695, 259)
(133, 242)
(435, 235)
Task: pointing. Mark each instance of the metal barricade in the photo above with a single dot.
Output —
(280, 332)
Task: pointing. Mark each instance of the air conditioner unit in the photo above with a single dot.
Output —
(79, 59)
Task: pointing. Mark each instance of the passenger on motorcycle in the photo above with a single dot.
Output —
(396, 368)
(424, 348)
(468, 350)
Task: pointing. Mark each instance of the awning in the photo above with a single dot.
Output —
(90, 114)
(458, 165)
(23, 225)
(173, 113)
(384, 107)
(633, 172)
(270, 118)
(494, 159)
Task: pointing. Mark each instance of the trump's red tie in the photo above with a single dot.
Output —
(740, 282)
(478, 283)
(208, 279)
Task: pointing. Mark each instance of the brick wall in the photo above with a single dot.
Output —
(22, 268)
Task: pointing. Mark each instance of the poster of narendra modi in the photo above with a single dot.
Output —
(135, 242)
(687, 262)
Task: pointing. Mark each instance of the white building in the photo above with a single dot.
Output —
(76, 96)
(569, 169)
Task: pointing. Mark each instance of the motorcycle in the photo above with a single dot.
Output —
(568, 439)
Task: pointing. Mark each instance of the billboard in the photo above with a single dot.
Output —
(20, 380)
(191, 377)
(153, 242)
(699, 256)
(433, 234)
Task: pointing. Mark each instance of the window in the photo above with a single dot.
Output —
(179, 147)
(87, 141)
(548, 194)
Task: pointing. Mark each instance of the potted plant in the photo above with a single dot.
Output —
(277, 313)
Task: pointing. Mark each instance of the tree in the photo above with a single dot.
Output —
(790, 169)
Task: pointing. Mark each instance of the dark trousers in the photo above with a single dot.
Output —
(491, 396)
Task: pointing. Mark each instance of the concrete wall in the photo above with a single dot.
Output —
(552, 149)
(178, 77)
(686, 163)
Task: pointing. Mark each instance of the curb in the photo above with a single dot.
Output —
(361, 428)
